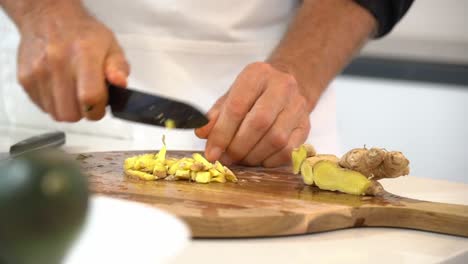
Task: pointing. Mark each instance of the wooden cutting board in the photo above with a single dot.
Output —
(267, 202)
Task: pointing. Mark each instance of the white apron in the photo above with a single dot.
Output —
(186, 49)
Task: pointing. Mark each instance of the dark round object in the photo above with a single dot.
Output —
(43, 205)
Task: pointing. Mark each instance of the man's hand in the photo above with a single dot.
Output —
(259, 120)
(266, 113)
(65, 58)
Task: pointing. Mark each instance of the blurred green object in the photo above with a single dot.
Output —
(43, 205)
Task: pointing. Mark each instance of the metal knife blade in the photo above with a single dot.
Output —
(155, 110)
(34, 143)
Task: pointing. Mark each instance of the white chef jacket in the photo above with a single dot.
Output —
(185, 49)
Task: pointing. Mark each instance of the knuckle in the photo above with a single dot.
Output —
(262, 120)
(236, 108)
(279, 139)
(288, 85)
(55, 54)
(82, 46)
(25, 79)
(38, 67)
(290, 80)
(261, 67)
(91, 97)
(87, 98)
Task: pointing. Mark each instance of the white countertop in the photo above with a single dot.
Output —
(361, 245)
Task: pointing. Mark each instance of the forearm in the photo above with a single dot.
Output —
(22, 11)
(320, 42)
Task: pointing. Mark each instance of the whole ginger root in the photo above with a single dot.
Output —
(356, 172)
(376, 163)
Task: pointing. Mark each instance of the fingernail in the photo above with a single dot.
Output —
(225, 159)
(214, 153)
(117, 77)
(121, 74)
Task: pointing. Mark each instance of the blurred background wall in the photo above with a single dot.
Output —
(427, 120)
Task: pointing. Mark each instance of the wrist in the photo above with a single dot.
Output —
(308, 86)
(32, 14)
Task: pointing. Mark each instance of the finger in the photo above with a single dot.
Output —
(91, 87)
(241, 97)
(31, 74)
(47, 100)
(298, 136)
(259, 120)
(62, 87)
(278, 135)
(116, 67)
(65, 98)
(213, 115)
(34, 95)
(204, 131)
(44, 88)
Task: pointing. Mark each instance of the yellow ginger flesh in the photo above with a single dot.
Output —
(151, 167)
(330, 176)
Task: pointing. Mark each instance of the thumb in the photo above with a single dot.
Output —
(116, 66)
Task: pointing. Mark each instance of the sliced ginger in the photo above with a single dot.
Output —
(330, 176)
(308, 164)
(298, 155)
(150, 167)
(356, 172)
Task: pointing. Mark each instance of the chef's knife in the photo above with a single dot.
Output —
(155, 110)
(34, 143)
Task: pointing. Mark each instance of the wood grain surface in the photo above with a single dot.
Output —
(267, 202)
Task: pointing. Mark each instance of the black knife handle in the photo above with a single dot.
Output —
(42, 141)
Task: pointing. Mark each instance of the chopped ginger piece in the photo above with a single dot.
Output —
(152, 166)
(170, 124)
